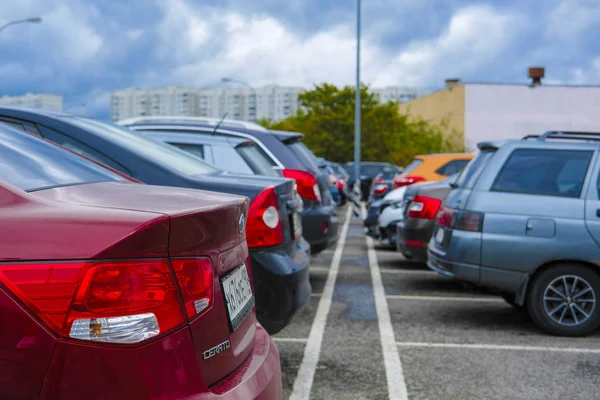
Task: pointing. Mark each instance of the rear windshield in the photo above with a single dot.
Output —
(34, 164)
(305, 156)
(153, 150)
(412, 166)
(257, 159)
(388, 173)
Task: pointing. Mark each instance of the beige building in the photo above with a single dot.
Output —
(490, 111)
(35, 100)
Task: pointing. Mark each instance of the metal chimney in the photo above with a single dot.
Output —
(536, 74)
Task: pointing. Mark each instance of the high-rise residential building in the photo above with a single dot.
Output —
(35, 100)
(271, 102)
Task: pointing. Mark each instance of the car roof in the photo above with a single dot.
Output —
(288, 137)
(454, 156)
(191, 137)
(192, 121)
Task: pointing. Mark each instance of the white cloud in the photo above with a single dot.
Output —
(262, 49)
(571, 18)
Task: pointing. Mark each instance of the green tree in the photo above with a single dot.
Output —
(326, 118)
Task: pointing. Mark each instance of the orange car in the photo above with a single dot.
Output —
(432, 167)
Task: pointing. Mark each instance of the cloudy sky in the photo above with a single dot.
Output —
(86, 48)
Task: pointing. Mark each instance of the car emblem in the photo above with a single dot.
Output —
(241, 223)
(216, 350)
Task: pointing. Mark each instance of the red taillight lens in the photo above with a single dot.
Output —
(460, 220)
(380, 189)
(341, 184)
(378, 179)
(195, 278)
(404, 180)
(424, 207)
(308, 187)
(112, 301)
(264, 224)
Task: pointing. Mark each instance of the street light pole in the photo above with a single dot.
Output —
(244, 83)
(35, 20)
(357, 101)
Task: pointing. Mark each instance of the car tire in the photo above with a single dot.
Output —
(510, 299)
(566, 310)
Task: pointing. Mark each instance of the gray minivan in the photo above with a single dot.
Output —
(524, 219)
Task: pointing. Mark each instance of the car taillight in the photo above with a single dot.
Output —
(424, 207)
(403, 180)
(264, 227)
(107, 301)
(308, 187)
(341, 184)
(462, 220)
(378, 179)
(195, 278)
(380, 189)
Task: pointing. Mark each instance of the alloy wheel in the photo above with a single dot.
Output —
(569, 300)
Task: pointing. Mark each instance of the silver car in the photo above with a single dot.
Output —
(524, 219)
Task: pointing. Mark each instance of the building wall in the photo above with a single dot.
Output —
(32, 100)
(513, 111)
(445, 106)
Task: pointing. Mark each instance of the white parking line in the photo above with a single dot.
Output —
(391, 359)
(406, 271)
(445, 298)
(499, 347)
(306, 373)
(321, 269)
(316, 294)
(290, 340)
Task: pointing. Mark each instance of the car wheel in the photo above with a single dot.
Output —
(563, 300)
(510, 299)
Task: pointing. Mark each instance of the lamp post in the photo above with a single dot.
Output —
(34, 20)
(244, 83)
(357, 101)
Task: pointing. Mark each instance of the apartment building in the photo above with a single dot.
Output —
(272, 102)
(35, 100)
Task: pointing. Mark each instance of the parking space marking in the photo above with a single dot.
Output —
(406, 271)
(391, 359)
(291, 340)
(316, 294)
(499, 347)
(320, 269)
(445, 298)
(312, 350)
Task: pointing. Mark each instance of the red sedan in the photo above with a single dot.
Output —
(114, 289)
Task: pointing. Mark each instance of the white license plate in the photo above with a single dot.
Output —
(238, 295)
(439, 236)
(297, 225)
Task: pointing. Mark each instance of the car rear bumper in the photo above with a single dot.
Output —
(259, 376)
(454, 269)
(163, 369)
(412, 238)
(320, 227)
(281, 284)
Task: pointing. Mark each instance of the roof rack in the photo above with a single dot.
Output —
(566, 135)
(193, 120)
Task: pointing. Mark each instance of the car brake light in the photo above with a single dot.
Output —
(424, 207)
(107, 301)
(378, 179)
(264, 224)
(195, 278)
(462, 220)
(404, 180)
(341, 184)
(308, 187)
(380, 189)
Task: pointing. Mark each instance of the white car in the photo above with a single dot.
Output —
(392, 214)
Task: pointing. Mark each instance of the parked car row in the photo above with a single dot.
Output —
(118, 238)
(522, 220)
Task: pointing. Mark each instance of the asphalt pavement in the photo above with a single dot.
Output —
(442, 340)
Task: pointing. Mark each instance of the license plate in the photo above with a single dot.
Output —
(439, 236)
(238, 295)
(297, 222)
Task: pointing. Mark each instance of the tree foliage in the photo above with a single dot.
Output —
(327, 121)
